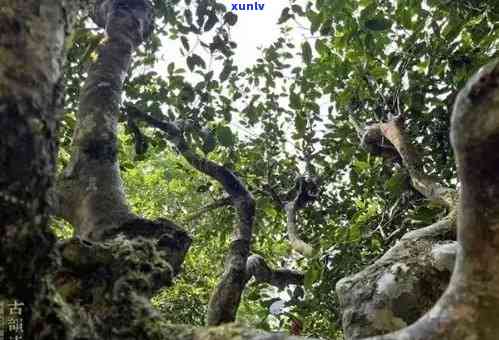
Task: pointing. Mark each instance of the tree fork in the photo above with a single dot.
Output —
(403, 284)
(240, 267)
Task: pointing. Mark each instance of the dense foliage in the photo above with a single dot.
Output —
(283, 117)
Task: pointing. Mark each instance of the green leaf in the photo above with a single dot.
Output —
(306, 51)
(224, 75)
(230, 18)
(300, 125)
(294, 101)
(212, 20)
(195, 60)
(326, 27)
(298, 10)
(188, 15)
(321, 47)
(225, 136)
(185, 42)
(315, 20)
(171, 68)
(311, 276)
(354, 232)
(209, 141)
(360, 166)
(285, 16)
(396, 183)
(378, 24)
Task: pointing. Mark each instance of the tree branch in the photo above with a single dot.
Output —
(90, 189)
(305, 192)
(225, 299)
(239, 266)
(394, 131)
(223, 202)
(468, 306)
(258, 268)
(398, 143)
(402, 285)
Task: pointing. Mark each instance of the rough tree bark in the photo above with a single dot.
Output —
(138, 253)
(469, 306)
(405, 283)
(402, 285)
(107, 284)
(90, 189)
(32, 54)
(112, 279)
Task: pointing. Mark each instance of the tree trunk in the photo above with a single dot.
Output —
(90, 189)
(32, 53)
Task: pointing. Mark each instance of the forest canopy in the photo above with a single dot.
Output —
(314, 193)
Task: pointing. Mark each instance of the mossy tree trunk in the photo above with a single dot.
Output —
(32, 54)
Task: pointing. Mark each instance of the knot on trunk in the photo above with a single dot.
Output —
(143, 256)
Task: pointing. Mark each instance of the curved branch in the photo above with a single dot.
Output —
(375, 140)
(429, 187)
(306, 191)
(296, 242)
(90, 191)
(259, 269)
(225, 300)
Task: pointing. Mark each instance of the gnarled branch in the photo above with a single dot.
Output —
(90, 189)
(280, 278)
(389, 140)
(305, 192)
(225, 299)
(402, 285)
(239, 266)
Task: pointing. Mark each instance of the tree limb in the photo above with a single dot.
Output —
(402, 285)
(259, 269)
(397, 143)
(239, 266)
(225, 299)
(90, 189)
(223, 202)
(306, 191)
(394, 131)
